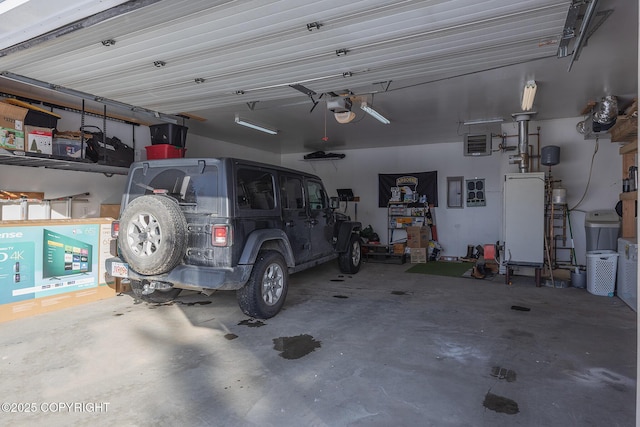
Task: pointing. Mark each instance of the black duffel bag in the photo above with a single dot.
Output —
(112, 152)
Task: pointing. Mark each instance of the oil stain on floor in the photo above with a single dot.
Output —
(295, 347)
(194, 303)
(500, 404)
(252, 323)
(503, 373)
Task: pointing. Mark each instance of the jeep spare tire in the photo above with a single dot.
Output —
(152, 235)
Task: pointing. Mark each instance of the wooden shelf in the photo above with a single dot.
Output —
(629, 148)
(629, 199)
(631, 195)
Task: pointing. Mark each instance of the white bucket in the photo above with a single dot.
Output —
(559, 196)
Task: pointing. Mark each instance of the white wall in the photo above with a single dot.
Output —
(458, 228)
(602, 183)
(198, 146)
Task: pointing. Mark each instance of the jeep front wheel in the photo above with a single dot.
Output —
(350, 260)
(152, 234)
(264, 294)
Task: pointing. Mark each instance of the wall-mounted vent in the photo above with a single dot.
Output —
(477, 144)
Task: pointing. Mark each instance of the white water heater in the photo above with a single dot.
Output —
(523, 219)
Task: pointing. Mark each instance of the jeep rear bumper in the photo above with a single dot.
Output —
(189, 276)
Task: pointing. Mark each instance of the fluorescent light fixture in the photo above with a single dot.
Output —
(529, 95)
(261, 128)
(483, 121)
(365, 107)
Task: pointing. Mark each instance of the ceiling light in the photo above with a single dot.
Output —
(344, 117)
(108, 42)
(365, 107)
(159, 64)
(199, 80)
(483, 121)
(261, 128)
(528, 95)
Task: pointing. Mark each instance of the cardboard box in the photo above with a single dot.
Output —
(34, 115)
(418, 255)
(403, 221)
(38, 140)
(109, 211)
(11, 139)
(418, 237)
(12, 117)
(44, 279)
(398, 248)
(12, 126)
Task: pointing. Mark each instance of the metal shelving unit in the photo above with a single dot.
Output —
(21, 158)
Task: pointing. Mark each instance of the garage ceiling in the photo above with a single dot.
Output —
(426, 65)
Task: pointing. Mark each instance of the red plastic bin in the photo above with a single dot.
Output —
(164, 151)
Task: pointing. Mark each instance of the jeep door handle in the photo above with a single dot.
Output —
(313, 221)
(289, 223)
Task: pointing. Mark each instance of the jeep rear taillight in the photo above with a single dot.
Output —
(221, 235)
(115, 229)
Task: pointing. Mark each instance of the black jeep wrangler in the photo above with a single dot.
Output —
(226, 224)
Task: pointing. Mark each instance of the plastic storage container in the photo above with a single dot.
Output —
(602, 228)
(169, 133)
(164, 151)
(601, 272)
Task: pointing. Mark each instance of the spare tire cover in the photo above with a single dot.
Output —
(153, 233)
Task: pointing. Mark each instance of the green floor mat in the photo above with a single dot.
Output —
(442, 268)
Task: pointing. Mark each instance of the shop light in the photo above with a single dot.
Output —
(483, 121)
(261, 128)
(367, 109)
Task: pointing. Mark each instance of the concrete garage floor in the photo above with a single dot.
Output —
(379, 348)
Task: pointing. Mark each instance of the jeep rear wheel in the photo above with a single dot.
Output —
(152, 234)
(350, 260)
(264, 294)
(141, 292)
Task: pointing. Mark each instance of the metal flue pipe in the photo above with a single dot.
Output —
(523, 142)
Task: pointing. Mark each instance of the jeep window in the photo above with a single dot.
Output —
(195, 189)
(291, 193)
(317, 196)
(255, 189)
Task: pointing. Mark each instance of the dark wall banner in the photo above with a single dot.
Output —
(411, 186)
